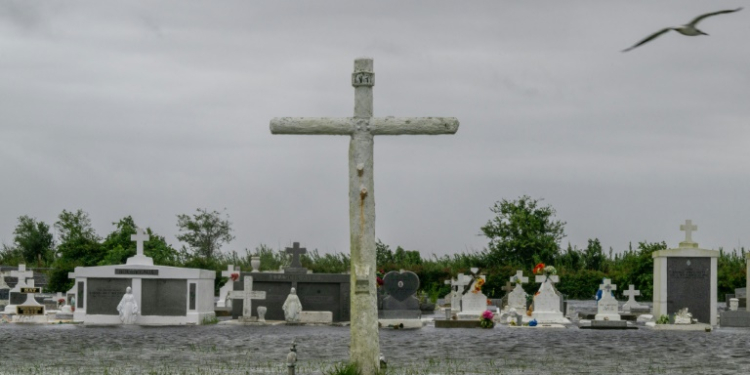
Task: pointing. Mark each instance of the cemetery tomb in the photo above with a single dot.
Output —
(686, 277)
(30, 311)
(164, 295)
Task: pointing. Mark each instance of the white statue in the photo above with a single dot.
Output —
(128, 308)
(292, 307)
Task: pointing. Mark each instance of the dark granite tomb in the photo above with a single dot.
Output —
(400, 303)
(689, 285)
(103, 295)
(164, 297)
(317, 292)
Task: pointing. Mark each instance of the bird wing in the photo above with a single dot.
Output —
(648, 38)
(702, 16)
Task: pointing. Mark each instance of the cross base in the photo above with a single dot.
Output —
(688, 245)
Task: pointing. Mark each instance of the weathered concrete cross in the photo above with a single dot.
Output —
(247, 296)
(22, 274)
(296, 251)
(519, 278)
(362, 128)
(508, 287)
(631, 293)
(553, 279)
(688, 228)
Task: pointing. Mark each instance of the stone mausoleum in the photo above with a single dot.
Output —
(686, 277)
(164, 295)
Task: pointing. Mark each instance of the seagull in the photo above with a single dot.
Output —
(688, 29)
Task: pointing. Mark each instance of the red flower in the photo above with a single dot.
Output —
(235, 276)
(61, 300)
(380, 281)
(539, 268)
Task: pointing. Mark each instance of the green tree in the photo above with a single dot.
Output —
(119, 247)
(593, 256)
(522, 233)
(205, 232)
(78, 240)
(34, 240)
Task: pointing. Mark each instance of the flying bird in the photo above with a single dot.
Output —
(687, 29)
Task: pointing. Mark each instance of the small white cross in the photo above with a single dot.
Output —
(139, 237)
(688, 228)
(554, 279)
(230, 270)
(607, 285)
(519, 278)
(631, 293)
(247, 296)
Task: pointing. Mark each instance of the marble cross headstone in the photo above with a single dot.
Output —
(139, 259)
(517, 297)
(607, 305)
(362, 128)
(296, 265)
(247, 296)
(631, 292)
(508, 287)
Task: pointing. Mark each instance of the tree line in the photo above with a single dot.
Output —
(521, 233)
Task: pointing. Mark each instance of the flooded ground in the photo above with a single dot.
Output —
(231, 349)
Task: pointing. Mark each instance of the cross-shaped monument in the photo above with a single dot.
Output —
(22, 274)
(508, 287)
(224, 301)
(247, 296)
(631, 292)
(688, 228)
(519, 279)
(364, 349)
(296, 265)
(607, 287)
(553, 279)
(139, 259)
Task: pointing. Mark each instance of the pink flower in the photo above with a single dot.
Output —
(487, 314)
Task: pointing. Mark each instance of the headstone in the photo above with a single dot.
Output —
(296, 265)
(457, 289)
(400, 301)
(473, 302)
(547, 302)
(362, 128)
(734, 304)
(517, 297)
(631, 304)
(30, 311)
(231, 273)
(247, 295)
(607, 305)
(686, 277)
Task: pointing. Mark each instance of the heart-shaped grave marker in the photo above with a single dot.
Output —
(401, 284)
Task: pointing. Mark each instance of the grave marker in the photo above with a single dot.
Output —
(296, 265)
(247, 295)
(362, 128)
(607, 306)
(631, 292)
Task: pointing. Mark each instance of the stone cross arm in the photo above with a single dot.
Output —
(375, 125)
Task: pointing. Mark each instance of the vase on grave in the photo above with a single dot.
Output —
(255, 264)
(261, 313)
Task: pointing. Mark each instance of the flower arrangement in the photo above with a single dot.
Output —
(542, 269)
(478, 285)
(379, 278)
(235, 276)
(486, 320)
(61, 301)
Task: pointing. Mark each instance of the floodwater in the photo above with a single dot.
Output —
(233, 349)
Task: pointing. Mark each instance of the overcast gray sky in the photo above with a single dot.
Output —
(154, 109)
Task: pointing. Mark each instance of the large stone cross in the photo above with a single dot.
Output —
(230, 270)
(508, 287)
(519, 278)
(362, 128)
(553, 279)
(247, 296)
(296, 251)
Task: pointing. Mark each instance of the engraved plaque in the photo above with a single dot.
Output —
(363, 79)
(30, 310)
(689, 285)
(31, 290)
